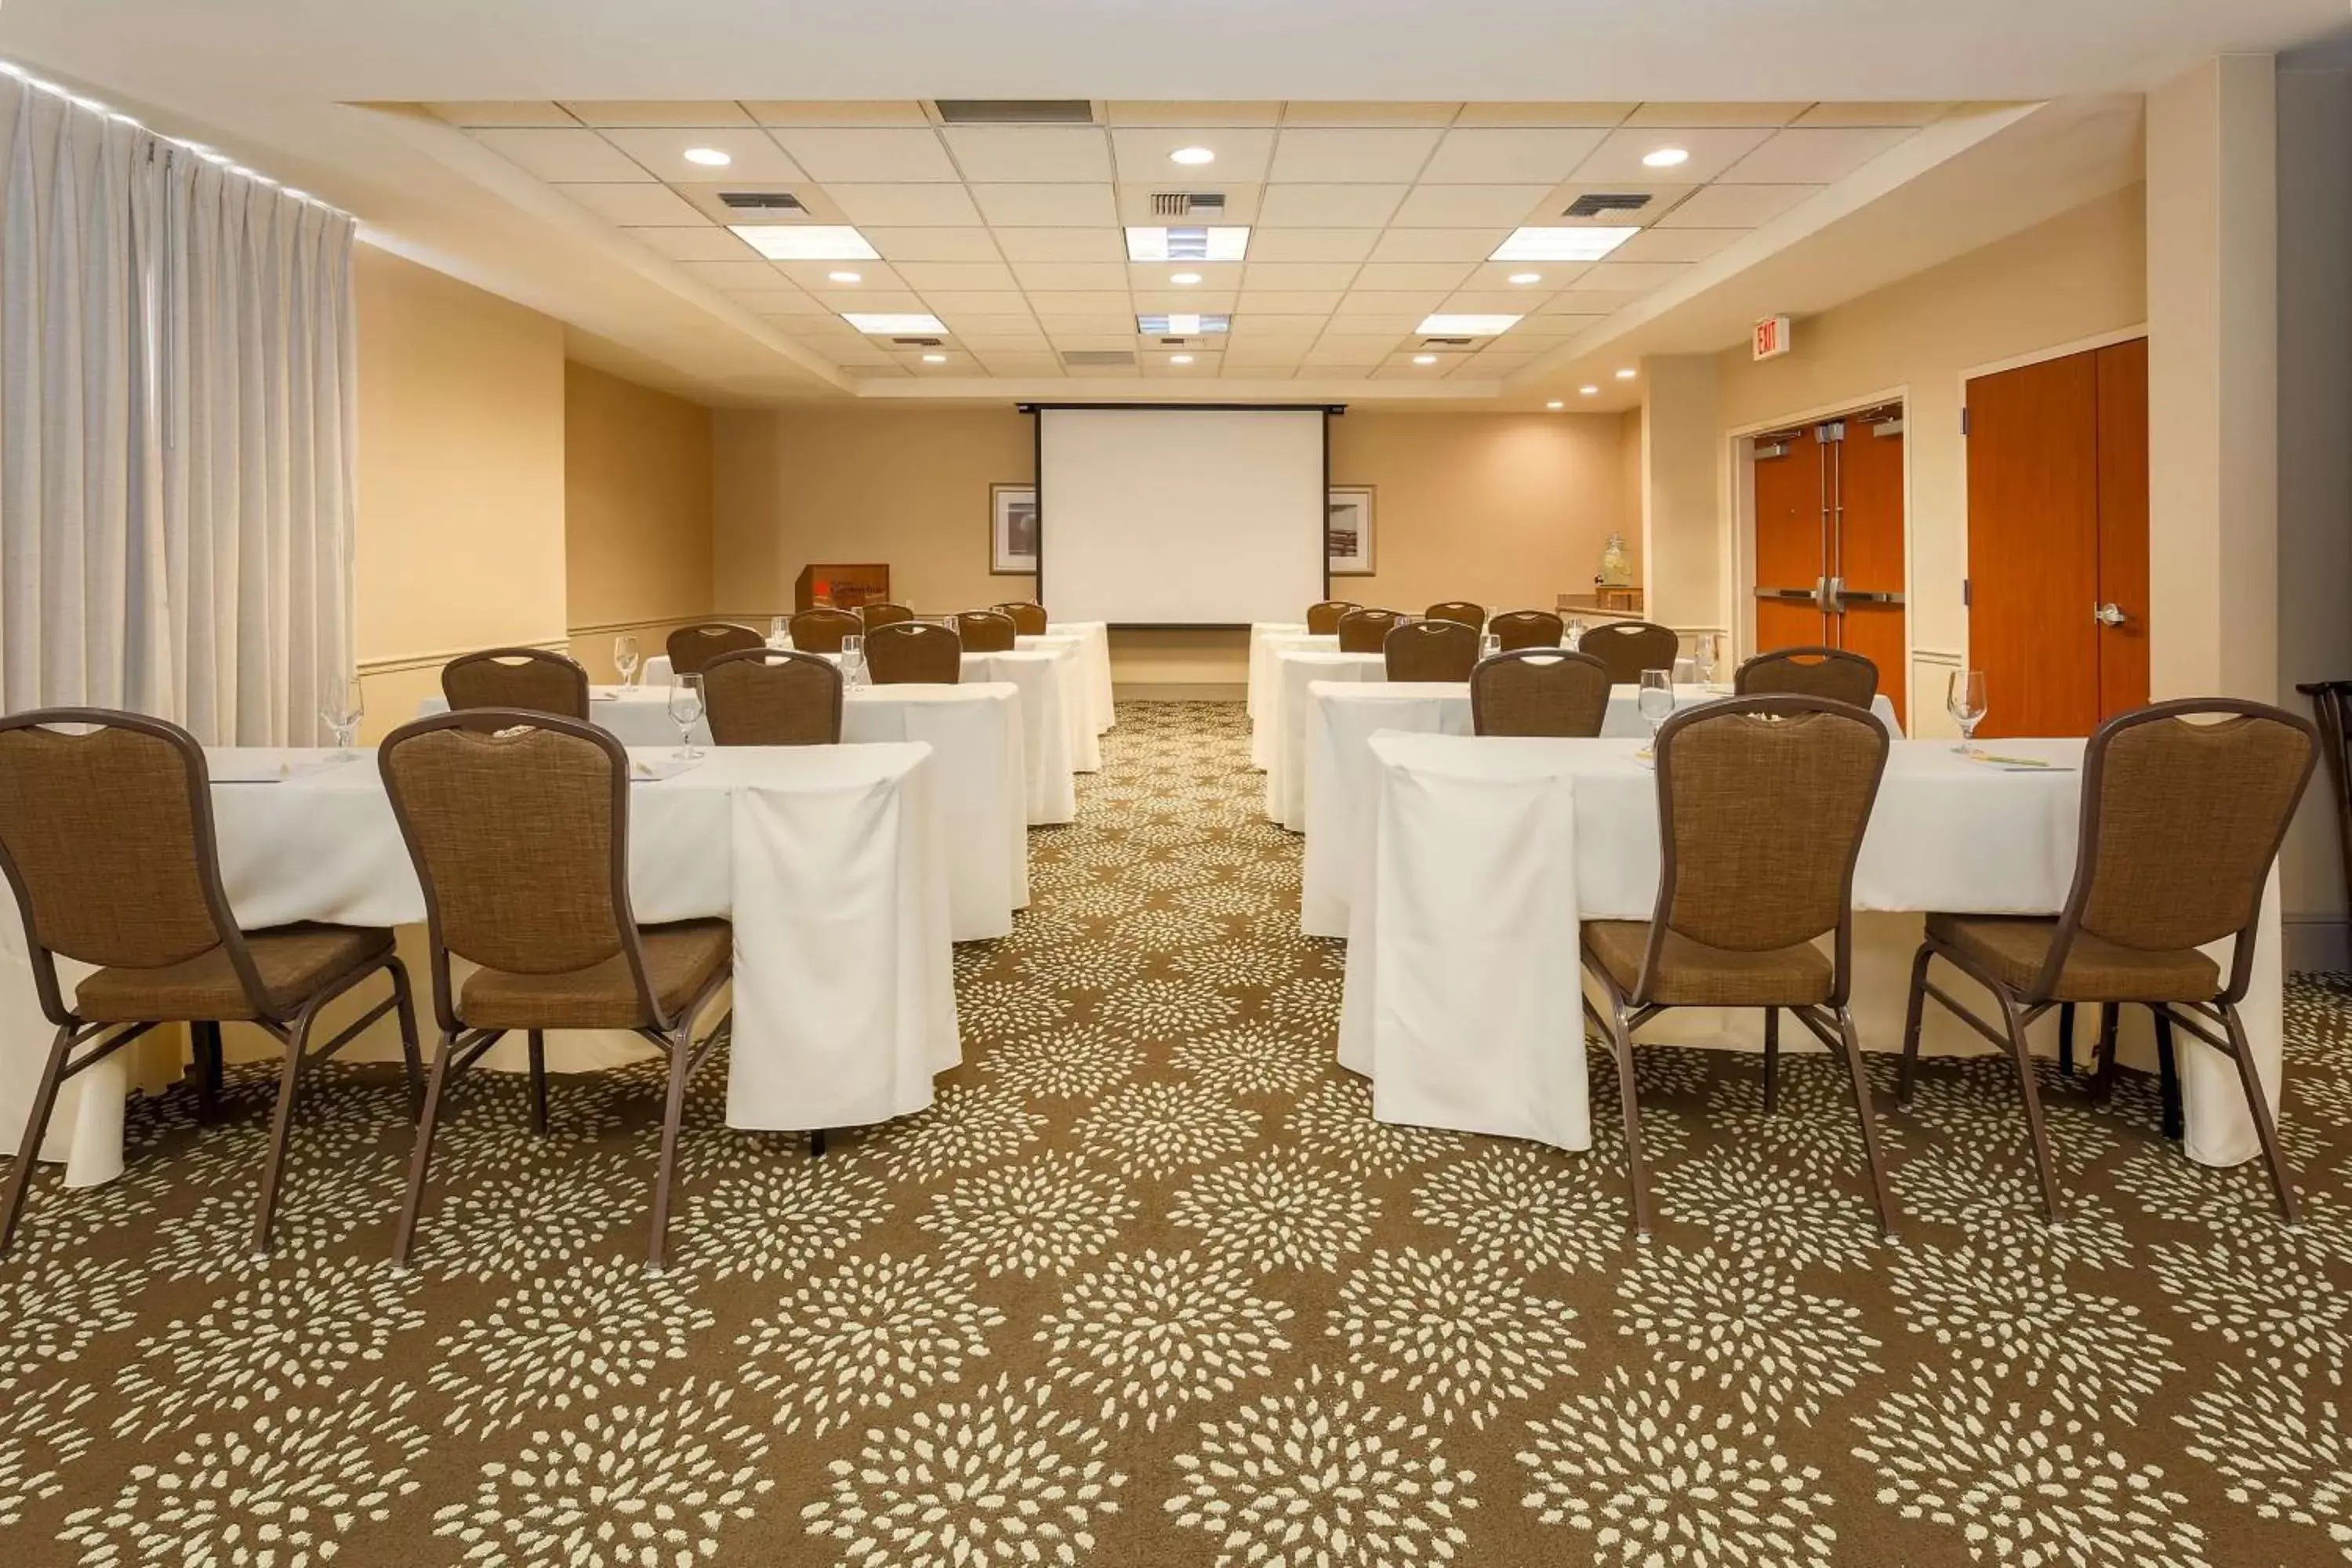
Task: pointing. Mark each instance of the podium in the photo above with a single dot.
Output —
(844, 586)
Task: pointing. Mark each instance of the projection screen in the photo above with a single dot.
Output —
(1180, 516)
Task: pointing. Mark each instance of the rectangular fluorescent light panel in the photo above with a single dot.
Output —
(1221, 243)
(1185, 326)
(892, 326)
(1466, 326)
(806, 241)
(1585, 242)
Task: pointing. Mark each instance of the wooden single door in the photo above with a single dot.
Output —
(2122, 528)
(1867, 487)
(1790, 534)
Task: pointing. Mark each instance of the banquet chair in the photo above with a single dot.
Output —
(986, 631)
(1552, 692)
(883, 614)
(912, 652)
(107, 838)
(1366, 631)
(520, 841)
(772, 697)
(2180, 823)
(1763, 802)
(532, 678)
(1029, 619)
(1323, 619)
(1629, 647)
(1526, 628)
(1831, 672)
(815, 631)
(691, 647)
(1431, 650)
(1469, 615)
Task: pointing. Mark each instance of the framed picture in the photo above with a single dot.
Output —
(1348, 529)
(1013, 530)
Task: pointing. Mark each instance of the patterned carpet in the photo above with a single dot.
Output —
(1149, 1287)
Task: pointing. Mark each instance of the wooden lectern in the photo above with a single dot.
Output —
(843, 586)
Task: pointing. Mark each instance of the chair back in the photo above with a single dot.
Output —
(1526, 628)
(1366, 631)
(106, 837)
(691, 647)
(2183, 819)
(883, 614)
(1431, 650)
(1763, 803)
(531, 677)
(1551, 691)
(1462, 610)
(1629, 647)
(815, 631)
(986, 631)
(1028, 619)
(913, 652)
(1829, 672)
(772, 697)
(1323, 619)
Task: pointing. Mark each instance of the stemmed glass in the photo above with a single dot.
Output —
(1703, 655)
(1687, 671)
(853, 659)
(686, 712)
(1575, 630)
(344, 707)
(1490, 645)
(1655, 701)
(1965, 701)
(780, 628)
(626, 658)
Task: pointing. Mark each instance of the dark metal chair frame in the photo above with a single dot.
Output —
(879, 641)
(1461, 611)
(1617, 638)
(768, 658)
(704, 641)
(1323, 618)
(831, 625)
(1749, 668)
(1363, 617)
(1507, 628)
(1540, 656)
(985, 623)
(889, 614)
(1412, 638)
(1028, 616)
(519, 659)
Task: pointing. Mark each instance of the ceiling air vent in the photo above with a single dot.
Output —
(1076, 357)
(1185, 204)
(1015, 111)
(1446, 342)
(763, 201)
(1599, 203)
(917, 343)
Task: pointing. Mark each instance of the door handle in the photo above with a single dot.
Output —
(1834, 596)
(2109, 616)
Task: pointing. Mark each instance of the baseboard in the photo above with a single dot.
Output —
(2316, 943)
(1181, 691)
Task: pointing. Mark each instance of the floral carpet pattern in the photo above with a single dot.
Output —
(1148, 1284)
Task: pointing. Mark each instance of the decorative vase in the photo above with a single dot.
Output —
(1616, 569)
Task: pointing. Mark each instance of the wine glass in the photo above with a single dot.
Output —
(1655, 700)
(626, 658)
(1575, 630)
(686, 712)
(1703, 655)
(1490, 645)
(1685, 670)
(344, 706)
(779, 628)
(1965, 701)
(853, 659)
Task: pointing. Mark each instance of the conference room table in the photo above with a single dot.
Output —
(1463, 981)
(829, 860)
(981, 792)
(1342, 717)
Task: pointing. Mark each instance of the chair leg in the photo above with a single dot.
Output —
(2067, 1038)
(28, 1152)
(1771, 1060)
(2258, 1106)
(2167, 1081)
(681, 1055)
(1879, 1194)
(538, 1083)
(2111, 1017)
(204, 1040)
(2103, 1079)
(281, 1127)
(816, 1142)
(2044, 1168)
(1621, 1045)
(414, 1202)
(1911, 1020)
(412, 1054)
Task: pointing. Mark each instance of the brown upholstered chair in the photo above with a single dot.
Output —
(1462, 610)
(913, 652)
(1629, 647)
(1829, 672)
(772, 697)
(883, 614)
(815, 631)
(1028, 619)
(691, 647)
(1366, 631)
(107, 838)
(1431, 650)
(1763, 802)
(986, 631)
(520, 841)
(1526, 628)
(532, 678)
(1323, 619)
(2180, 823)
(1551, 691)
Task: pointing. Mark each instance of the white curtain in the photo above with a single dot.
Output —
(177, 428)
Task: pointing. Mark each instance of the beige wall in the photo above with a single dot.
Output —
(636, 513)
(461, 524)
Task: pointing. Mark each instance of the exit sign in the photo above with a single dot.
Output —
(1772, 338)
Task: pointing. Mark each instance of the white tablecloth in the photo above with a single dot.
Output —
(1285, 725)
(1342, 718)
(827, 858)
(1464, 977)
(979, 792)
(1094, 658)
(1265, 638)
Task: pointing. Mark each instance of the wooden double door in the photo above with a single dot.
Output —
(2057, 587)
(1828, 541)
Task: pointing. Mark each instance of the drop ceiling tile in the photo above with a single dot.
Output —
(874, 370)
(959, 277)
(1490, 302)
(1468, 207)
(867, 156)
(1308, 111)
(1358, 348)
(1358, 156)
(1736, 206)
(1067, 275)
(1413, 275)
(509, 113)
(1162, 361)
(873, 278)
(1546, 326)
(1874, 114)
(808, 316)
(1553, 208)
(816, 207)
(1042, 155)
(1198, 301)
(1021, 364)
(1290, 302)
(1102, 244)
(1005, 331)
(1439, 243)
(974, 243)
(845, 111)
(1312, 244)
(1155, 275)
(1441, 364)
(1504, 157)
(1604, 115)
(1501, 362)
(1242, 155)
(875, 301)
(1334, 375)
(1261, 327)
(986, 303)
(1675, 243)
(554, 156)
(1047, 206)
(1299, 275)
(1813, 157)
(703, 242)
(1715, 113)
(1103, 372)
(1082, 338)
(753, 156)
(1550, 276)
(648, 206)
(908, 204)
(1712, 150)
(1415, 303)
(1135, 201)
(1175, 112)
(658, 111)
(1589, 302)
(1628, 277)
(1329, 206)
(1030, 342)
(1265, 355)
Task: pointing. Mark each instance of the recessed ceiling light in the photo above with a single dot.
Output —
(708, 157)
(1191, 156)
(845, 276)
(1526, 277)
(806, 241)
(1627, 374)
(935, 358)
(1465, 326)
(1588, 242)
(1666, 158)
(894, 324)
(1184, 279)
(1180, 359)
(1590, 391)
(1555, 402)
(1424, 359)
(1224, 242)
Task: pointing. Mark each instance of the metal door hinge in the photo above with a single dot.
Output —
(1964, 421)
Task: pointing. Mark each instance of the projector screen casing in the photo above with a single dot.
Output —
(1181, 516)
